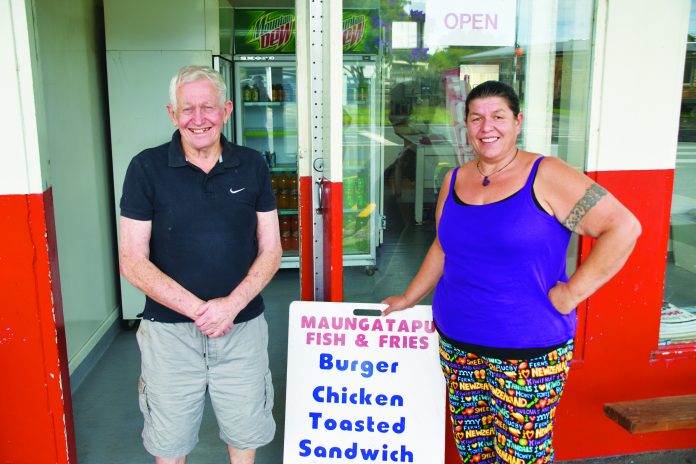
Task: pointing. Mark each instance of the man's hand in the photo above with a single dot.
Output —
(214, 318)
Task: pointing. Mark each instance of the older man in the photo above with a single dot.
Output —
(199, 236)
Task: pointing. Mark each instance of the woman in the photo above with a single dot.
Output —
(503, 304)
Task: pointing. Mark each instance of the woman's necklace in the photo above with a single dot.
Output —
(486, 178)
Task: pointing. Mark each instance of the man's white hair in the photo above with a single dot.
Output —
(193, 73)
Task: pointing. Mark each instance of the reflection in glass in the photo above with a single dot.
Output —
(404, 114)
(679, 301)
(361, 159)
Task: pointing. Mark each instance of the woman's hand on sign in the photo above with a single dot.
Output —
(395, 303)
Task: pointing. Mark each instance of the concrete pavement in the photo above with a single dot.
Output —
(686, 456)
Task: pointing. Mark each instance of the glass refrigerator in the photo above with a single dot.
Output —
(363, 156)
(266, 120)
(264, 83)
(266, 107)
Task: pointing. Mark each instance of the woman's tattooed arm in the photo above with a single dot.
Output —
(592, 195)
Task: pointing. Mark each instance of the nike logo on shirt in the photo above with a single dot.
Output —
(237, 191)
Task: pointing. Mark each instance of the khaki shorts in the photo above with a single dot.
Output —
(179, 364)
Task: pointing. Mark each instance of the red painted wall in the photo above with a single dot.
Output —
(333, 241)
(332, 198)
(621, 360)
(617, 356)
(35, 371)
(306, 238)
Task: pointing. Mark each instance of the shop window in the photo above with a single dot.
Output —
(405, 83)
(679, 302)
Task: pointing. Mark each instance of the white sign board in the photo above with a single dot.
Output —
(469, 23)
(363, 388)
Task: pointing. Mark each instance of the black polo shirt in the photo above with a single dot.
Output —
(203, 225)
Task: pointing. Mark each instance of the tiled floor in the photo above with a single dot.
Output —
(686, 456)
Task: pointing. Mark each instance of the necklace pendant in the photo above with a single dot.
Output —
(485, 181)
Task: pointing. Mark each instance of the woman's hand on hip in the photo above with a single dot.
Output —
(562, 298)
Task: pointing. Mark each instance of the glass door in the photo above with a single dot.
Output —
(266, 120)
(408, 67)
(362, 162)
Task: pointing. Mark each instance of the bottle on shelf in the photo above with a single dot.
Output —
(270, 158)
(246, 93)
(255, 93)
(349, 192)
(278, 92)
(266, 158)
(285, 232)
(360, 192)
(292, 188)
(274, 185)
(294, 233)
(282, 198)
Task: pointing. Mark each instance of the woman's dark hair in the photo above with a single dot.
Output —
(494, 89)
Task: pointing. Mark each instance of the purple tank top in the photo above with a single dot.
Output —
(501, 260)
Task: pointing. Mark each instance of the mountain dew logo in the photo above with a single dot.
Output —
(353, 31)
(272, 31)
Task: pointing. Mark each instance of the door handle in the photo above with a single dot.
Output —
(320, 195)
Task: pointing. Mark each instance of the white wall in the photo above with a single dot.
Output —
(21, 171)
(143, 51)
(74, 143)
(637, 82)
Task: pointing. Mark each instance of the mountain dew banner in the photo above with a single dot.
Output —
(264, 31)
(360, 33)
(273, 32)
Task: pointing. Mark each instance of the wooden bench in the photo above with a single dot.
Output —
(654, 414)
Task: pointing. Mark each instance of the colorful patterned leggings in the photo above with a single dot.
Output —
(502, 410)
